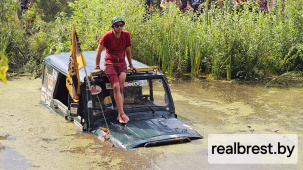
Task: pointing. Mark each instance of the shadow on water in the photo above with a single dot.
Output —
(10, 159)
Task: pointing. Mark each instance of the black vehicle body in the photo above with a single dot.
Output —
(147, 102)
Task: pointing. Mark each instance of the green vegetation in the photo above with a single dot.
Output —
(223, 43)
(3, 67)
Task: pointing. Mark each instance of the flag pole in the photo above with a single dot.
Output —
(88, 83)
(82, 58)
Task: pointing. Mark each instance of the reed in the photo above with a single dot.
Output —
(231, 44)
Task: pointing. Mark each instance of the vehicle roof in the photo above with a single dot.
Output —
(60, 62)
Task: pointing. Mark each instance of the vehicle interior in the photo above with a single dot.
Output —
(55, 83)
(61, 92)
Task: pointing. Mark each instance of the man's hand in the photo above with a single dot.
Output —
(133, 69)
(97, 71)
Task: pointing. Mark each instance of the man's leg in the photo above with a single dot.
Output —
(118, 95)
(112, 73)
(122, 77)
(119, 102)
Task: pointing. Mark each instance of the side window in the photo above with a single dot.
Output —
(50, 77)
(53, 86)
(159, 94)
(60, 90)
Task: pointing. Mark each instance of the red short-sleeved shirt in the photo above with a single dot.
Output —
(115, 47)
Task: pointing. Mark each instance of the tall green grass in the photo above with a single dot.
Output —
(223, 43)
(227, 44)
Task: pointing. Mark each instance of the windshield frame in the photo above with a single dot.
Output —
(143, 108)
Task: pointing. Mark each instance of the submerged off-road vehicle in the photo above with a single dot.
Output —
(147, 102)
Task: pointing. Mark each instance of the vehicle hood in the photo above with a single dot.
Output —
(146, 130)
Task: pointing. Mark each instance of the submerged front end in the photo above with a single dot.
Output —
(147, 102)
(149, 105)
(147, 130)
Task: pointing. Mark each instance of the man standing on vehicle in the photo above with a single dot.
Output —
(117, 44)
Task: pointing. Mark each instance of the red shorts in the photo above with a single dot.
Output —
(113, 71)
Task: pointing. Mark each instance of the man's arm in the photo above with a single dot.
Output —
(98, 55)
(129, 56)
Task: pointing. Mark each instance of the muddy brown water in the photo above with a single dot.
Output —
(32, 137)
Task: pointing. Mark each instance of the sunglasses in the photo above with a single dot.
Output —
(121, 25)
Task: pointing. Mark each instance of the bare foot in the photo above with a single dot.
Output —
(119, 118)
(122, 118)
(125, 118)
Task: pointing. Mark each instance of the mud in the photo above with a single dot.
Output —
(31, 136)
